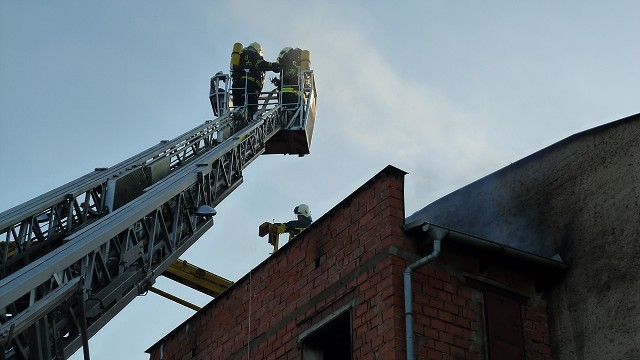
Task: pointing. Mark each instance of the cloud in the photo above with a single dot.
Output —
(376, 109)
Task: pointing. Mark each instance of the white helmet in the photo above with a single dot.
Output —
(257, 47)
(282, 52)
(302, 209)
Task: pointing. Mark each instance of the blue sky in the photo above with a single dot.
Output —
(448, 91)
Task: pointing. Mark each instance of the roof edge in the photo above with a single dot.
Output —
(388, 169)
(499, 251)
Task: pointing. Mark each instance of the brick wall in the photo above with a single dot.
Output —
(355, 254)
(448, 300)
(579, 198)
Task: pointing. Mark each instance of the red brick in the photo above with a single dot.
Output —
(438, 325)
(291, 294)
(446, 338)
(457, 353)
(436, 303)
(442, 347)
(452, 308)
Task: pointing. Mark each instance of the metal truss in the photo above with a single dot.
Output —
(30, 230)
(72, 258)
(56, 299)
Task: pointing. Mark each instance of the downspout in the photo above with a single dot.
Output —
(439, 234)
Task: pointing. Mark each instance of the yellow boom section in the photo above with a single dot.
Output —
(197, 278)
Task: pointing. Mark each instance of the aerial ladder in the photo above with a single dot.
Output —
(72, 258)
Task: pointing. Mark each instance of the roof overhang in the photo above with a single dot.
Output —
(544, 270)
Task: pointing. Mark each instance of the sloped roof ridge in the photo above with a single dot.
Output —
(531, 157)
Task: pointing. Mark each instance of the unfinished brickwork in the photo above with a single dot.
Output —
(580, 199)
(352, 259)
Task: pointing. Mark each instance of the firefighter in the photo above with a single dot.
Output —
(293, 227)
(303, 220)
(289, 60)
(251, 73)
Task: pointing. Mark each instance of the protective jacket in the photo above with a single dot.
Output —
(301, 223)
(255, 63)
(290, 63)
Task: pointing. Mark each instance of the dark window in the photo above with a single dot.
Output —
(330, 342)
(504, 327)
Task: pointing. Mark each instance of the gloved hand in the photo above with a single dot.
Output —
(275, 67)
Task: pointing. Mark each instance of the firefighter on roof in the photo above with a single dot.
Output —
(293, 227)
(303, 213)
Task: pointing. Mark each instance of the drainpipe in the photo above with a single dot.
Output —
(439, 234)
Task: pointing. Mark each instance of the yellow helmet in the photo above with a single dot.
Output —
(282, 52)
(257, 47)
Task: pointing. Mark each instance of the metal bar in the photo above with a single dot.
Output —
(197, 278)
(174, 298)
(83, 328)
(89, 240)
(66, 195)
(114, 257)
(21, 322)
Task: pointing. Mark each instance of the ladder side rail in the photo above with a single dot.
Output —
(222, 170)
(218, 96)
(270, 99)
(36, 205)
(137, 235)
(220, 161)
(194, 146)
(305, 111)
(63, 210)
(308, 89)
(310, 106)
(50, 198)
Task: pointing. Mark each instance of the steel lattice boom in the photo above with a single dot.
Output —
(71, 259)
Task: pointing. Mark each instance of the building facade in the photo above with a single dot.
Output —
(579, 200)
(337, 291)
(538, 260)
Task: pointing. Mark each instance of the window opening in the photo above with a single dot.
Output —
(332, 341)
(505, 332)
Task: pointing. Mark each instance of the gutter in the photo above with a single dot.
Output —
(438, 234)
(539, 267)
(522, 259)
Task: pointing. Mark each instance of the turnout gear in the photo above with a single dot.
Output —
(303, 214)
(290, 62)
(254, 62)
(289, 59)
(248, 77)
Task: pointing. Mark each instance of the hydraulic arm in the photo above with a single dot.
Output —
(72, 258)
(197, 278)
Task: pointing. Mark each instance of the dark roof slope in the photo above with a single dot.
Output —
(531, 204)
